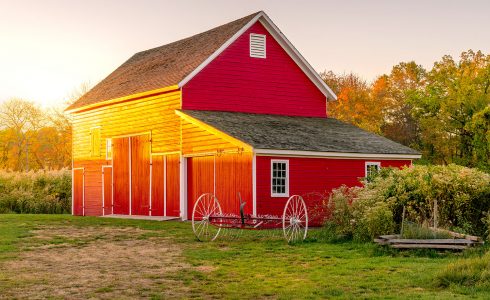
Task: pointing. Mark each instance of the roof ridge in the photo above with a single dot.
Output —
(200, 33)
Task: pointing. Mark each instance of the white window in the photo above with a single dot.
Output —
(372, 168)
(279, 178)
(108, 149)
(257, 45)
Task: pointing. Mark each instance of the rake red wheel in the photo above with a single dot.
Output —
(295, 219)
(208, 219)
(206, 207)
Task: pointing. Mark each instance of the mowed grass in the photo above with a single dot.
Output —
(254, 265)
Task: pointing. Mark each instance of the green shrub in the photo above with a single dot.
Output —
(462, 195)
(468, 272)
(47, 192)
(340, 225)
(373, 221)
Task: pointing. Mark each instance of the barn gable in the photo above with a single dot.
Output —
(239, 80)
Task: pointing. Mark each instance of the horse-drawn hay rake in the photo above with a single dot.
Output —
(208, 220)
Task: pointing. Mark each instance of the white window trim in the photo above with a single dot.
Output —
(286, 194)
(250, 45)
(371, 163)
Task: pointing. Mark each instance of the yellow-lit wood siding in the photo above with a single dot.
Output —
(153, 114)
(197, 139)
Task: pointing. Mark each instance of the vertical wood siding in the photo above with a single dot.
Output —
(236, 82)
(107, 190)
(140, 175)
(173, 185)
(225, 175)
(78, 192)
(311, 175)
(233, 176)
(200, 179)
(172, 192)
(157, 185)
(120, 156)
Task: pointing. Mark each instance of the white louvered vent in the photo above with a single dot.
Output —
(257, 45)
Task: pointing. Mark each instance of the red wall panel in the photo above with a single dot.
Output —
(157, 185)
(236, 82)
(107, 190)
(233, 176)
(170, 181)
(173, 187)
(77, 192)
(120, 156)
(140, 175)
(310, 175)
(200, 179)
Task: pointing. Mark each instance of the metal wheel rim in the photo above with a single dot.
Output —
(295, 219)
(206, 205)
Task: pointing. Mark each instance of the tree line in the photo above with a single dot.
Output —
(443, 112)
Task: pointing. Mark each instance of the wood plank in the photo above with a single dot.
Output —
(428, 246)
(431, 241)
(458, 235)
(388, 237)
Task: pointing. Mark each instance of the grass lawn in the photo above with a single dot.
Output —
(60, 256)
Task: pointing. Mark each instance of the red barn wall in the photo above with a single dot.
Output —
(234, 81)
(311, 175)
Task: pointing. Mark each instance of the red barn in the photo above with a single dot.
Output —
(235, 109)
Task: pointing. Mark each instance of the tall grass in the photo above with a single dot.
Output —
(467, 272)
(42, 192)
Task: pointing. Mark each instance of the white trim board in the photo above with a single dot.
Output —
(269, 152)
(285, 44)
(254, 185)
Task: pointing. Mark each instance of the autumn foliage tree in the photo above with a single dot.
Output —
(32, 138)
(443, 112)
(354, 103)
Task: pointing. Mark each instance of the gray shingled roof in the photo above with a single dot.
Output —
(298, 133)
(162, 66)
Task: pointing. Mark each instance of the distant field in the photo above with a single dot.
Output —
(59, 256)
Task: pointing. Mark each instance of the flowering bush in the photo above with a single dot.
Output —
(462, 195)
(35, 192)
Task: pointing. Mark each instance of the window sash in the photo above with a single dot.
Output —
(279, 178)
(372, 167)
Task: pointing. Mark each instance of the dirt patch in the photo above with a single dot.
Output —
(205, 269)
(93, 262)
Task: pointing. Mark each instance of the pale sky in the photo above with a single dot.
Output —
(48, 48)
